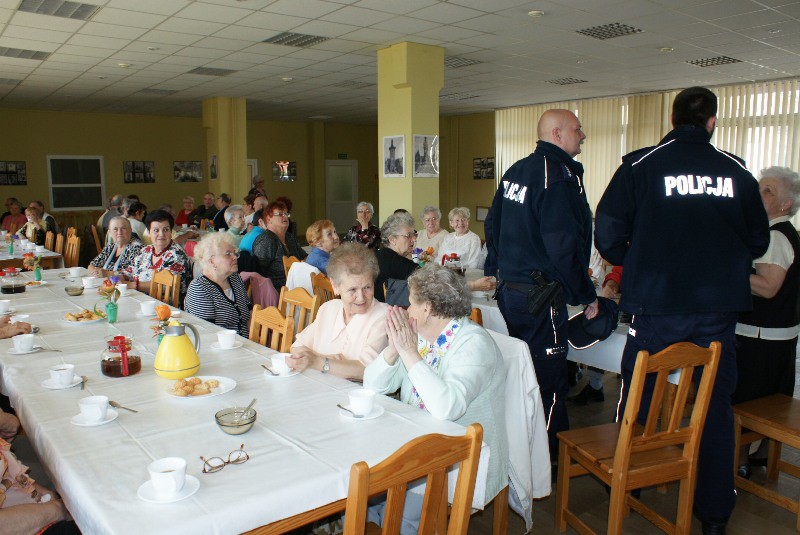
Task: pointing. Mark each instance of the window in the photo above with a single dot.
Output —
(76, 182)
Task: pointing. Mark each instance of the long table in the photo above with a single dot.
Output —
(50, 260)
(300, 449)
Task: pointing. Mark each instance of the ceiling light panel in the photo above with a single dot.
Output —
(609, 31)
(206, 71)
(59, 8)
(298, 40)
(454, 62)
(20, 53)
(713, 62)
(566, 81)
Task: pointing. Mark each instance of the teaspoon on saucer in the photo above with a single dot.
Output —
(351, 412)
(270, 371)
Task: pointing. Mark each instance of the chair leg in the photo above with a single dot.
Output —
(773, 457)
(617, 507)
(683, 520)
(500, 518)
(562, 491)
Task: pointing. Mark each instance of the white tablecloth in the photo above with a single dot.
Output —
(301, 449)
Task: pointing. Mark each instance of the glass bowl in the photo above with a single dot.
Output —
(74, 290)
(235, 421)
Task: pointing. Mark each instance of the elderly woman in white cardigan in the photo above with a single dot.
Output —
(445, 364)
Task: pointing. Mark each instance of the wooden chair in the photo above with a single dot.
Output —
(72, 231)
(49, 240)
(72, 251)
(270, 328)
(628, 456)
(166, 287)
(298, 304)
(323, 288)
(205, 222)
(97, 243)
(476, 315)
(287, 263)
(428, 455)
(59, 244)
(776, 417)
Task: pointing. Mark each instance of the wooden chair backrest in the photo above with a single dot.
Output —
(298, 304)
(71, 231)
(204, 223)
(323, 288)
(97, 243)
(476, 315)
(287, 263)
(59, 244)
(72, 251)
(49, 240)
(270, 328)
(683, 356)
(13, 228)
(427, 456)
(166, 287)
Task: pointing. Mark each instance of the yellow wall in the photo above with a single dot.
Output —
(465, 137)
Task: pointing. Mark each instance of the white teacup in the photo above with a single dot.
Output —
(40, 248)
(167, 475)
(278, 363)
(89, 282)
(123, 288)
(94, 408)
(24, 242)
(226, 338)
(19, 317)
(361, 401)
(148, 308)
(185, 226)
(23, 342)
(75, 271)
(31, 246)
(62, 374)
(5, 305)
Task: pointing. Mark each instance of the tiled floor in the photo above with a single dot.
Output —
(587, 497)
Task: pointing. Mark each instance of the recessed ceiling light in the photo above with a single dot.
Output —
(287, 78)
(153, 48)
(536, 13)
(666, 49)
(123, 65)
(101, 77)
(774, 31)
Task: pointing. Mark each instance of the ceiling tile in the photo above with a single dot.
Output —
(751, 20)
(213, 13)
(126, 17)
(358, 16)
(36, 34)
(171, 38)
(199, 27)
(325, 29)
(110, 30)
(99, 42)
(393, 6)
(445, 13)
(158, 7)
(302, 8)
(27, 44)
(368, 35)
(32, 20)
(272, 21)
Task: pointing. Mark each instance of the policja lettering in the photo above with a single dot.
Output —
(698, 185)
(513, 192)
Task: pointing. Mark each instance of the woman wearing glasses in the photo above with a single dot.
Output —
(364, 231)
(219, 295)
(274, 243)
(398, 236)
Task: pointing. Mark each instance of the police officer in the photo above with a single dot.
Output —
(686, 220)
(538, 237)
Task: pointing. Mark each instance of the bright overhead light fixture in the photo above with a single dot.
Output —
(287, 78)
(666, 49)
(124, 65)
(536, 13)
(153, 48)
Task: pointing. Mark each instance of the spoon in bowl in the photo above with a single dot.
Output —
(239, 416)
(270, 371)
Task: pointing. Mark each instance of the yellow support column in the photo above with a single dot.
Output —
(225, 121)
(410, 76)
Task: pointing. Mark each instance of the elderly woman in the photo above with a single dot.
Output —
(398, 237)
(161, 254)
(348, 333)
(219, 295)
(274, 243)
(766, 338)
(364, 231)
(462, 241)
(184, 216)
(15, 218)
(234, 218)
(118, 255)
(322, 236)
(35, 228)
(432, 234)
(445, 364)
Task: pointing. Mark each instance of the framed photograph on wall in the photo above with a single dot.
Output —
(13, 173)
(426, 156)
(213, 167)
(284, 171)
(138, 171)
(481, 212)
(476, 168)
(394, 151)
(187, 171)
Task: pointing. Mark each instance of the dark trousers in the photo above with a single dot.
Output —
(546, 336)
(714, 496)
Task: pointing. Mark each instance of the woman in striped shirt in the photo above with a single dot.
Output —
(219, 295)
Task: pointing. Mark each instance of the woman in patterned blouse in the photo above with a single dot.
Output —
(364, 231)
(162, 254)
(119, 254)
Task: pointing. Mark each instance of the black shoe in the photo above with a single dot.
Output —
(757, 461)
(744, 470)
(588, 394)
(714, 528)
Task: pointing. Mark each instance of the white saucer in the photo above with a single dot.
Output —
(175, 314)
(147, 494)
(11, 310)
(48, 383)
(377, 410)
(215, 345)
(286, 376)
(13, 351)
(78, 419)
(140, 314)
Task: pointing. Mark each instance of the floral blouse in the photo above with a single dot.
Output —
(371, 237)
(108, 259)
(433, 354)
(148, 262)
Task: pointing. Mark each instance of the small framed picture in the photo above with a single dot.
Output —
(481, 212)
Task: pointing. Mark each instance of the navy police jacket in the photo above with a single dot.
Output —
(686, 220)
(540, 220)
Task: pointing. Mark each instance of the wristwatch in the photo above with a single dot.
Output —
(326, 365)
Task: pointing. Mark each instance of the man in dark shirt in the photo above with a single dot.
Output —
(223, 201)
(207, 211)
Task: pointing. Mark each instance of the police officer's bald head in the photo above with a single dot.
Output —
(695, 106)
(563, 129)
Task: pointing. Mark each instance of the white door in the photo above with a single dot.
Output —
(341, 179)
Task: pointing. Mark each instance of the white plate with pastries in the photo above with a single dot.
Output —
(84, 317)
(207, 386)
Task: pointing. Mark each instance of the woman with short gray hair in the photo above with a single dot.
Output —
(234, 218)
(398, 236)
(766, 338)
(432, 235)
(364, 231)
(462, 241)
(445, 364)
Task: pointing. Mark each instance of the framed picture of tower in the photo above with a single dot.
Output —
(394, 150)
(426, 156)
